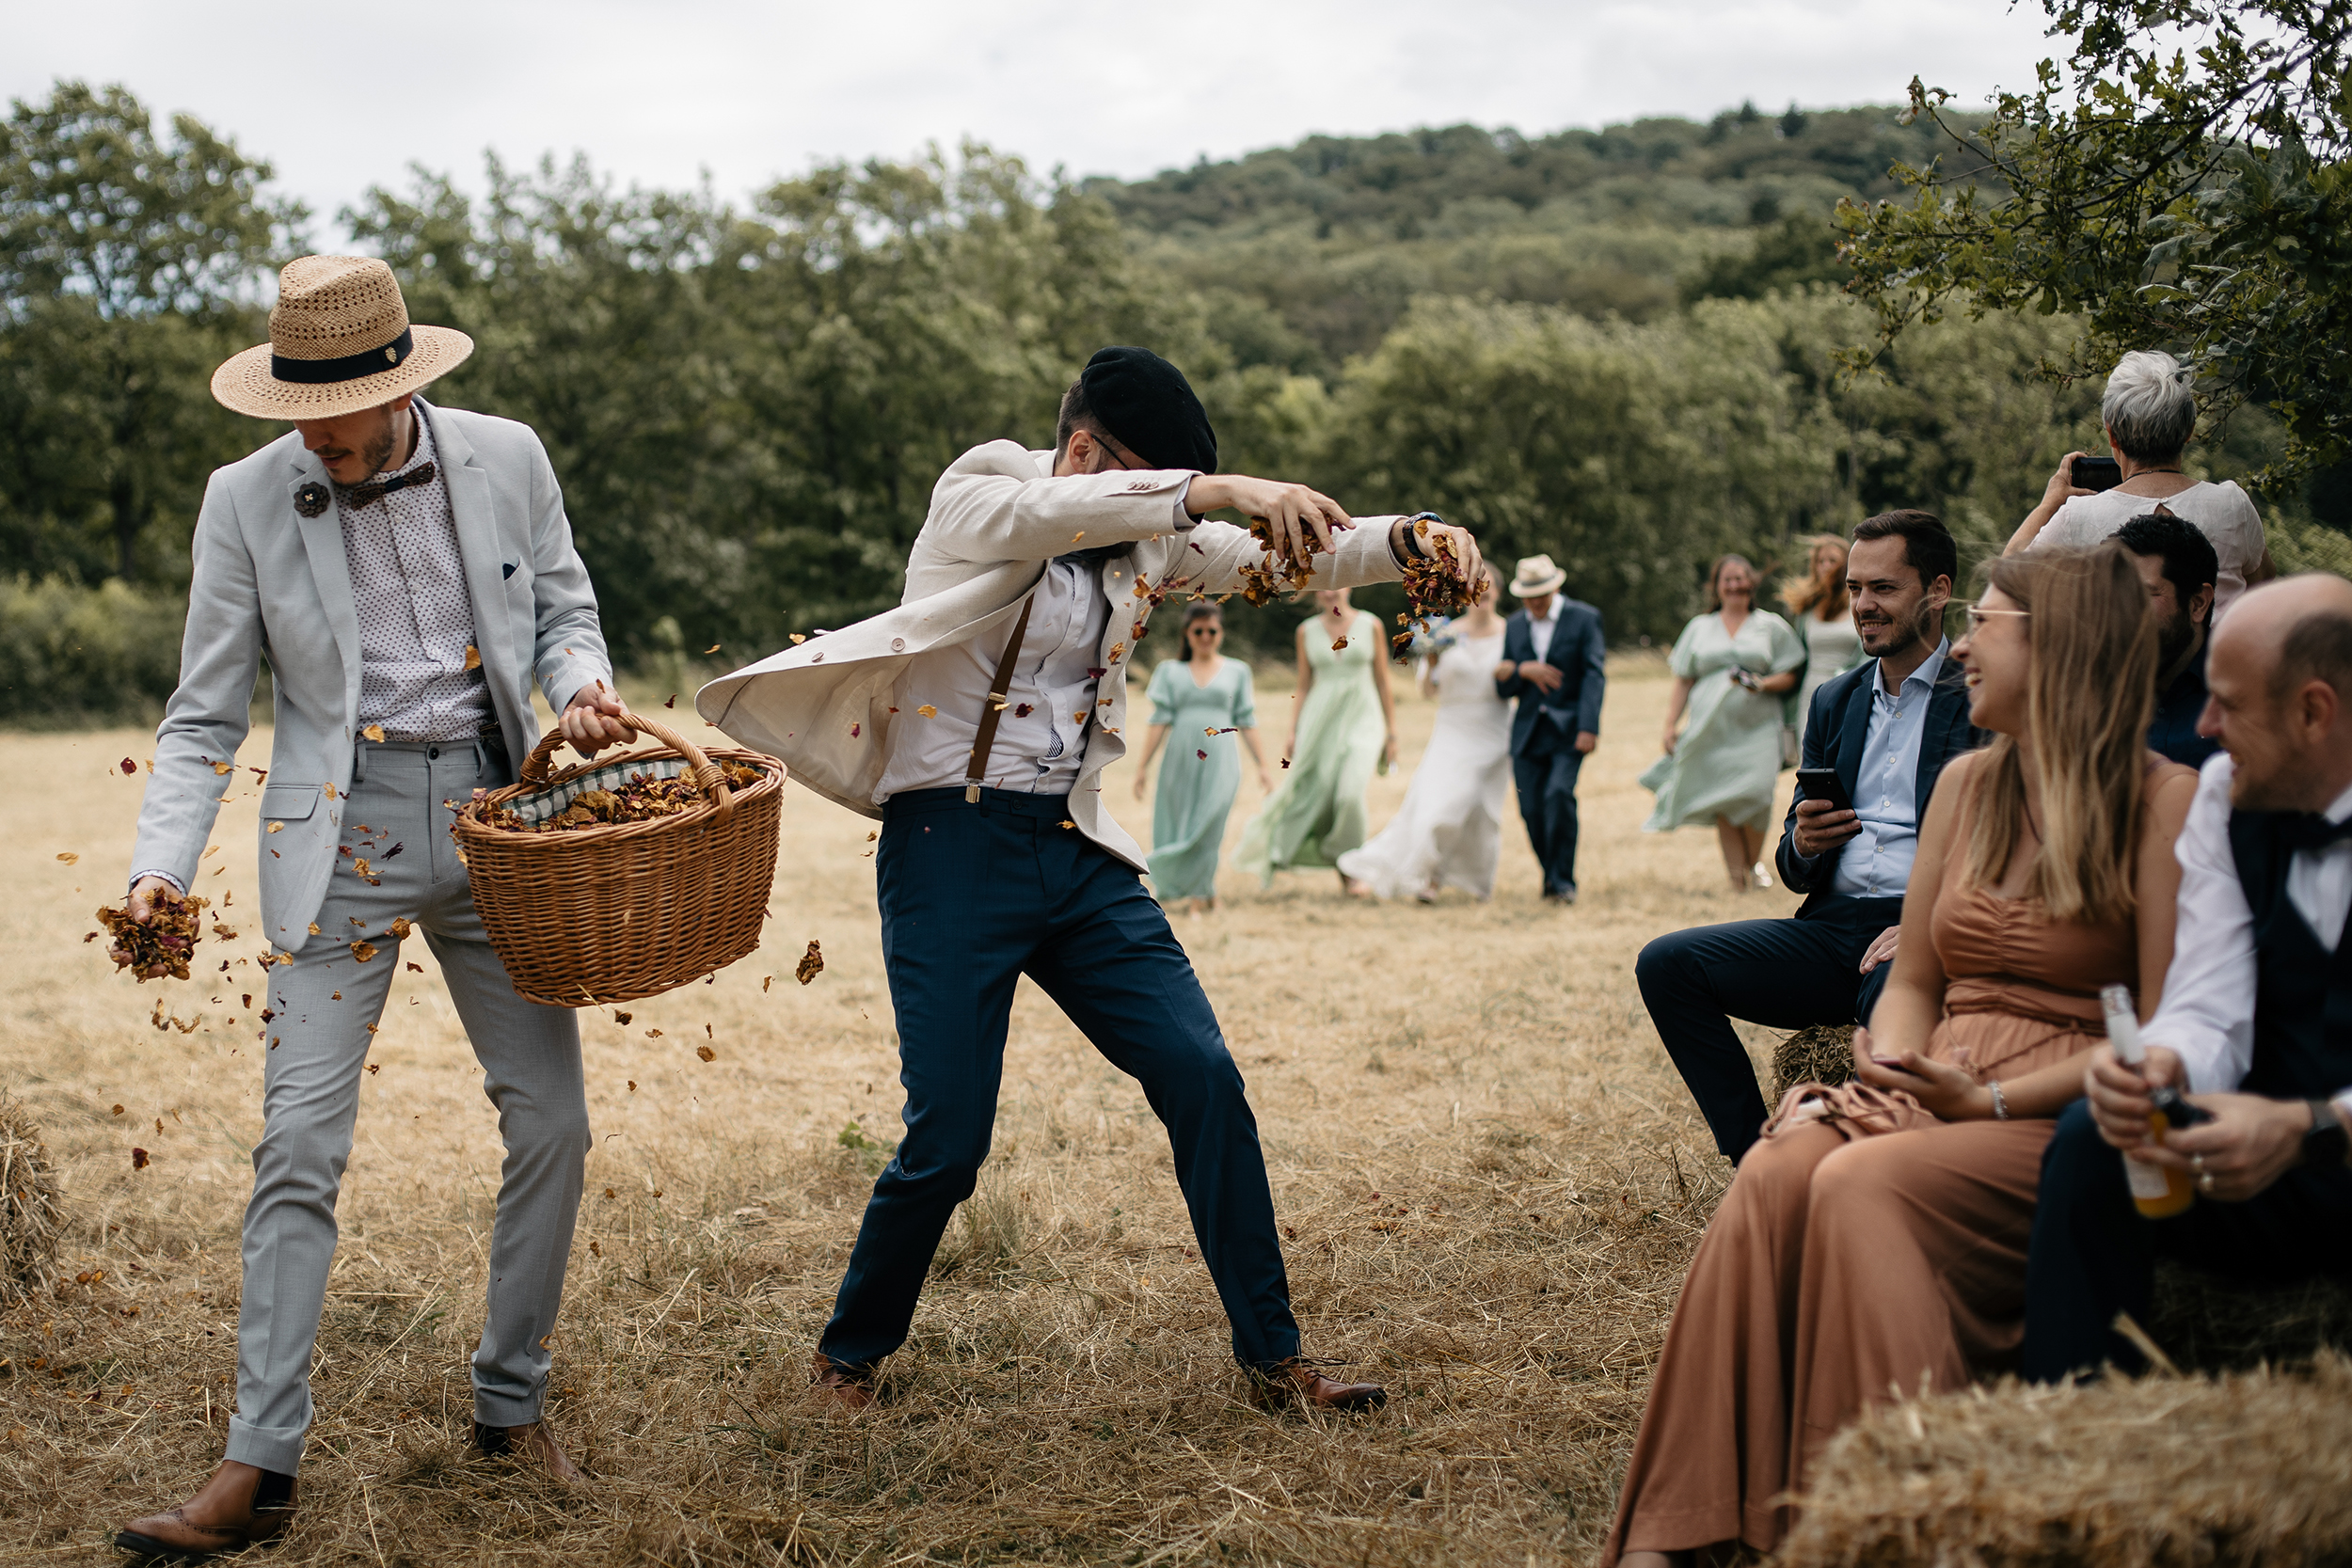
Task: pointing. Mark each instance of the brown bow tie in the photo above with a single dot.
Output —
(375, 490)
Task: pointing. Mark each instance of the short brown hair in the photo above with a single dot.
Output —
(2317, 647)
(1928, 546)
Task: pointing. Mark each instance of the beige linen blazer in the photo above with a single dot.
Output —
(269, 580)
(997, 517)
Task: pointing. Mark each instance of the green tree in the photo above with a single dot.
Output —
(127, 269)
(2178, 179)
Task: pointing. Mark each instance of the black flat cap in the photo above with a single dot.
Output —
(1149, 407)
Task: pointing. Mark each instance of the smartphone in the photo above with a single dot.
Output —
(2097, 473)
(1822, 784)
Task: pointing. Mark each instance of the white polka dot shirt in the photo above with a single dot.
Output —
(416, 617)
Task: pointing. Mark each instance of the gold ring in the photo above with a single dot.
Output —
(2197, 1162)
(2205, 1182)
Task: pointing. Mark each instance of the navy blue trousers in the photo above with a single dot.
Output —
(2094, 1255)
(973, 897)
(1547, 788)
(1782, 974)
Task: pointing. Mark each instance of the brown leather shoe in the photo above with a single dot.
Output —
(838, 1387)
(1294, 1382)
(534, 1447)
(239, 1507)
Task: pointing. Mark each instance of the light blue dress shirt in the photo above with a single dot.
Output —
(1877, 861)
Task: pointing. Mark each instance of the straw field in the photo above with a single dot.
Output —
(1488, 1177)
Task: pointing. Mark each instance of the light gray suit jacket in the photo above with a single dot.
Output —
(997, 517)
(269, 580)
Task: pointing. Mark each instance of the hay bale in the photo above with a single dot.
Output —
(32, 1207)
(2208, 1324)
(2245, 1468)
(1821, 1055)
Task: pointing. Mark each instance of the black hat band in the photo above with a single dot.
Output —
(350, 366)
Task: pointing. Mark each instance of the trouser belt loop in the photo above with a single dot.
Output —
(359, 764)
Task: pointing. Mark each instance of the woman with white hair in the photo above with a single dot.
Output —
(2150, 413)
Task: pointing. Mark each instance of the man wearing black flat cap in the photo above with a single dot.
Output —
(975, 721)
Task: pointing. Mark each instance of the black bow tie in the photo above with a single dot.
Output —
(374, 490)
(2312, 832)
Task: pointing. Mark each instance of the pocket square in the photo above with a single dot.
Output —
(507, 570)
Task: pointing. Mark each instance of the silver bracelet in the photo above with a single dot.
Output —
(2000, 1100)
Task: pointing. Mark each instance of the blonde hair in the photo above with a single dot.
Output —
(1808, 593)
(2090, 693)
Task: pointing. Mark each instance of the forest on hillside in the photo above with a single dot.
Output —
(1615, 346)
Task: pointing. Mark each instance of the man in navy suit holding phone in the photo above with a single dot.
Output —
(1886, 730)
(1553, 660)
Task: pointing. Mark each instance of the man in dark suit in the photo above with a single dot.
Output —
(1554, 661)
(1887, 728)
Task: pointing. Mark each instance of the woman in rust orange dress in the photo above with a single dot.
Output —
(1876, 1236)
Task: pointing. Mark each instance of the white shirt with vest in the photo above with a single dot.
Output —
(2207, 1012)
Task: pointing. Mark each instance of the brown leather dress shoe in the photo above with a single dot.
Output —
(1293, 1381)
(835, 1385)
(240, 1506)
(534, 1447)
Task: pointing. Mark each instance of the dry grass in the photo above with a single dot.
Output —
(1489, 1177)
(32, 1210)
(2159, 1473)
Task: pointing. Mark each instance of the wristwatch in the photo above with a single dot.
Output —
(2325, 1144)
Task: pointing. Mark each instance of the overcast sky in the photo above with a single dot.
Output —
(341, 97)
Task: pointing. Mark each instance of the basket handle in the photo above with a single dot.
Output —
(706, 774)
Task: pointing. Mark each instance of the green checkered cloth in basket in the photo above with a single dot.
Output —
(542, 804)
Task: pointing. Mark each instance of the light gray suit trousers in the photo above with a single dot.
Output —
(317, 1050)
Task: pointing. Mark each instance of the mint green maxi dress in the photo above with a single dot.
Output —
(1316, 814)
(1199, 772)
(1728, 758)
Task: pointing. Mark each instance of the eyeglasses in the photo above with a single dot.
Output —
(1978, 616)
(1205, 631)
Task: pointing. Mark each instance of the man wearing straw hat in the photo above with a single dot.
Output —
(408, 571)
(1555, 663)
(975, 720)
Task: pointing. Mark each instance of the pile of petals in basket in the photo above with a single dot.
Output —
(159, 945)
(642, 799)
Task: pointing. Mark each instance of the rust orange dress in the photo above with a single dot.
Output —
(1868, 1249)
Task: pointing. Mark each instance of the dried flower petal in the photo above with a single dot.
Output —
(473, 656)
(927, 711)
(706, 1053)
(374, 732)
(138, 1158)
(811, 965)
(363, 951)
(69, 857)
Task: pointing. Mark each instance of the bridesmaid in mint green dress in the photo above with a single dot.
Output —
(1344, 725)
(1732, 670)
(1193, 694)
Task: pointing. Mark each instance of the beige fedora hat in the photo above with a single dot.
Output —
(1537, 575)
(340, 342)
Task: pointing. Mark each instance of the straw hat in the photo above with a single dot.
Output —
(1536, 575)
(339, 343)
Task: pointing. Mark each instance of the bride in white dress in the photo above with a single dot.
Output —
(1447, 833)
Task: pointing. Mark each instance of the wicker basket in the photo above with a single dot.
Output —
(615, 913)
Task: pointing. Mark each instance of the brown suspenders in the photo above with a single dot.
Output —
(975, 772)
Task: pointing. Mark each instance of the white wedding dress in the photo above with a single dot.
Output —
(1448, 831)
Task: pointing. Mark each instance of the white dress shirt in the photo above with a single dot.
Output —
(1042, 734)
(2207, 1013)
(1877, 861)
(1541, 631)
(416, 615)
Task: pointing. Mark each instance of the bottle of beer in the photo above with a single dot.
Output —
(2160, 1191)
